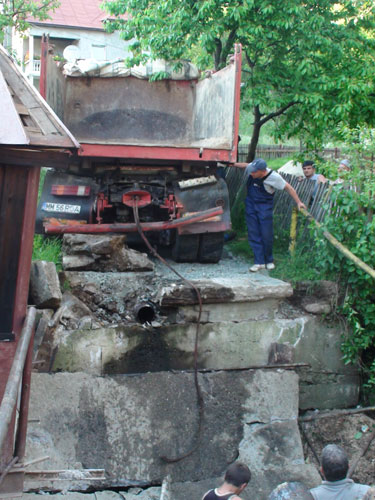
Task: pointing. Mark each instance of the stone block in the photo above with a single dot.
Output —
(126, 424)
(45, 290)
(218, 290)
(104, 252)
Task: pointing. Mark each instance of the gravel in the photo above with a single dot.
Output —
(228, 267)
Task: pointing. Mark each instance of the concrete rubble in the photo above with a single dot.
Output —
(105, 253)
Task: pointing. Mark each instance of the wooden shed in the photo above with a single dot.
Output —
(31, 137)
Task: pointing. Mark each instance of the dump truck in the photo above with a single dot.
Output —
(153, 142)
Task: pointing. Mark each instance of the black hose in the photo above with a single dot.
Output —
(197, 386)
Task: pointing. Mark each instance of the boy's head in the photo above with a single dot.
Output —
(238, 474)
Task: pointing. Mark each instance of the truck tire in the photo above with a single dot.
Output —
(185, 248)
(210, 247)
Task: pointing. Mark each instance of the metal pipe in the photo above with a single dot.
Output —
(144, 311)
(11, 390)
(132, 227)
(20, 445)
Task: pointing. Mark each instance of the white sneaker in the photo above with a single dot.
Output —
(270, 266)
(256, 267)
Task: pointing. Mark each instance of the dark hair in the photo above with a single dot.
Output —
(237, 474)
(335, 462)
(308, 163)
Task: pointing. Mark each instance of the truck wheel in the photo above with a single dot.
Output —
(210, 247)
(185, 248)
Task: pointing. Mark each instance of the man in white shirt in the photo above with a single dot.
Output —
(337, 486)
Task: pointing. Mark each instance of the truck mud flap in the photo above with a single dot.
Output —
(204, 197)
(65, 198)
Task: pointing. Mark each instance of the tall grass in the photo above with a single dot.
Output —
(46, 248)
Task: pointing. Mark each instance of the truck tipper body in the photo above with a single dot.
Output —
(156, 147)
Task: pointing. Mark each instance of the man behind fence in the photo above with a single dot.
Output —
(261, 186)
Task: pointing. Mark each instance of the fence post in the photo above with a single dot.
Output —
(293, 231)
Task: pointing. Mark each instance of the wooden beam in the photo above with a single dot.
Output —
(27, 157)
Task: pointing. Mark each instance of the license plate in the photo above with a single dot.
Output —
(61, 207)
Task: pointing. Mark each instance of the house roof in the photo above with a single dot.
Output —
(76, 14)
(25, 117)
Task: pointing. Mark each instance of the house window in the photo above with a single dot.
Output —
(98, 52)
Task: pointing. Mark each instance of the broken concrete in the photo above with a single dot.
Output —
(105, 253)
(319, 297)
(45, 290)
(125, 424)
(111, 297)
(222, 345)
(314, 305)
(224, 290)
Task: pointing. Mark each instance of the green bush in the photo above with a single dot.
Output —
(351, 221)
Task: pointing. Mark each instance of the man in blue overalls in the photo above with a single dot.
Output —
(261, 186)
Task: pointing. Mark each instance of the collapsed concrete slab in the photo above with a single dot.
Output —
(222, 345)
(126, 424)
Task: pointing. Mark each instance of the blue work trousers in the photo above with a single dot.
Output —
(259, 221)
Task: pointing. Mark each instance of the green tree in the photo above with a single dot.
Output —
(308, 65)
(14, 13)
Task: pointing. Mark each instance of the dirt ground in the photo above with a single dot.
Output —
(351, 432)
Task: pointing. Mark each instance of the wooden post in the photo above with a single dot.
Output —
(293, 231)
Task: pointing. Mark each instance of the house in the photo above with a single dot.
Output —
(74, 22)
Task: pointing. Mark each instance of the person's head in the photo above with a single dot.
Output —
(344, 165)
(257, 168)
(290, 491)
(238, 475)
(308, 168)
(335, 463)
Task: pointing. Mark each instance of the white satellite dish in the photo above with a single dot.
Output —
(71, 53)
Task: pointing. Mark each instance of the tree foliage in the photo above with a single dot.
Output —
(14, 13)
(351, 220)
(308, 65)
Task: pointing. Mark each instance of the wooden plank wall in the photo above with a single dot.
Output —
(18, 198)
(13, 185)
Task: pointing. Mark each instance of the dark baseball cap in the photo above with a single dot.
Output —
(257, 164)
